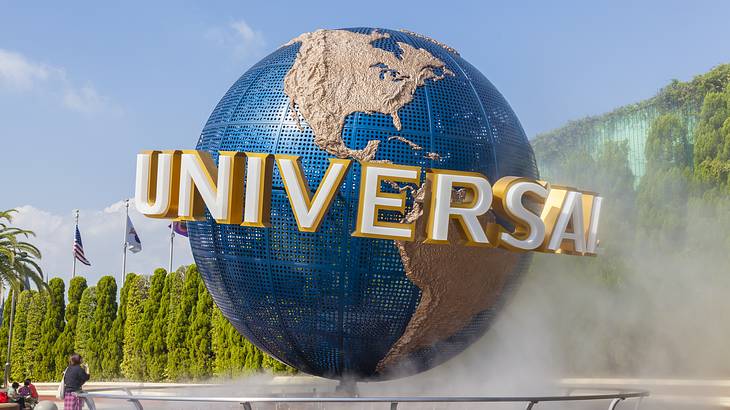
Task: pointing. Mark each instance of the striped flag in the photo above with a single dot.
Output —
(79, 248)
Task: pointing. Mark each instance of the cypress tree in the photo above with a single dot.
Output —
(178, 356)
(32, 354)
(4, 329)
(115, 337)
(254, 357)
(19, 329)
(133, 363)
(64, 346)
(85, 338)
(155, 322)
(269, 362)
(165, 319)
(51, 330)
(106, 355)
(220, 346)
(244, 354)
(199, 337)
(233, 354)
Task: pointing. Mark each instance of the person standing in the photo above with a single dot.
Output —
(76, 374)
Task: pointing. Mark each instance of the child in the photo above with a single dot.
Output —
(14, 396)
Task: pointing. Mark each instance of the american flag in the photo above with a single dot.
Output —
(79, 248)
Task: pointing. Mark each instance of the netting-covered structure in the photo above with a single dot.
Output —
(631, 123)
(326, 302)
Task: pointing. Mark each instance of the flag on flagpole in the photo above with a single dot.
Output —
(180, 228)
(133, 242)
(79, 248)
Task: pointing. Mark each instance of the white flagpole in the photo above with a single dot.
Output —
(73, 253)
(172, 243)
(124, 252)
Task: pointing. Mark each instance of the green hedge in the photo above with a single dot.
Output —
(164, 328)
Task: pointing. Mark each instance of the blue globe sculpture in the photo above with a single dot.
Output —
(329, 303)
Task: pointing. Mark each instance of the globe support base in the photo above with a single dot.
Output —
(347, 387)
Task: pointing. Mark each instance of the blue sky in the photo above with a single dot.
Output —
(84, 86)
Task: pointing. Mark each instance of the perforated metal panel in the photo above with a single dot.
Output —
(328, 303)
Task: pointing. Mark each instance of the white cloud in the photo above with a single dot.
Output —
(102, 234)
(248, 36)
(19, 73)
(86, 100)
(240, 37)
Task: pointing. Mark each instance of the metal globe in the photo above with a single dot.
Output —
(338, 306)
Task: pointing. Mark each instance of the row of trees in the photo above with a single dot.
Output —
(162, 327)
(702, 104)
(686, 178)
(676, 169)
(18, 258)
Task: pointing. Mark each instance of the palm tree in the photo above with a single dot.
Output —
(18, 266)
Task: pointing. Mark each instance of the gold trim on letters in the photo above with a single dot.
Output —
(499, 206)
(471, 199)
(174, 183)
(306, 191)
(263, 214)
(378, 193)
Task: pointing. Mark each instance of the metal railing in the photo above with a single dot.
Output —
(247, 402)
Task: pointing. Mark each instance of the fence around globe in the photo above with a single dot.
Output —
(614, 398)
